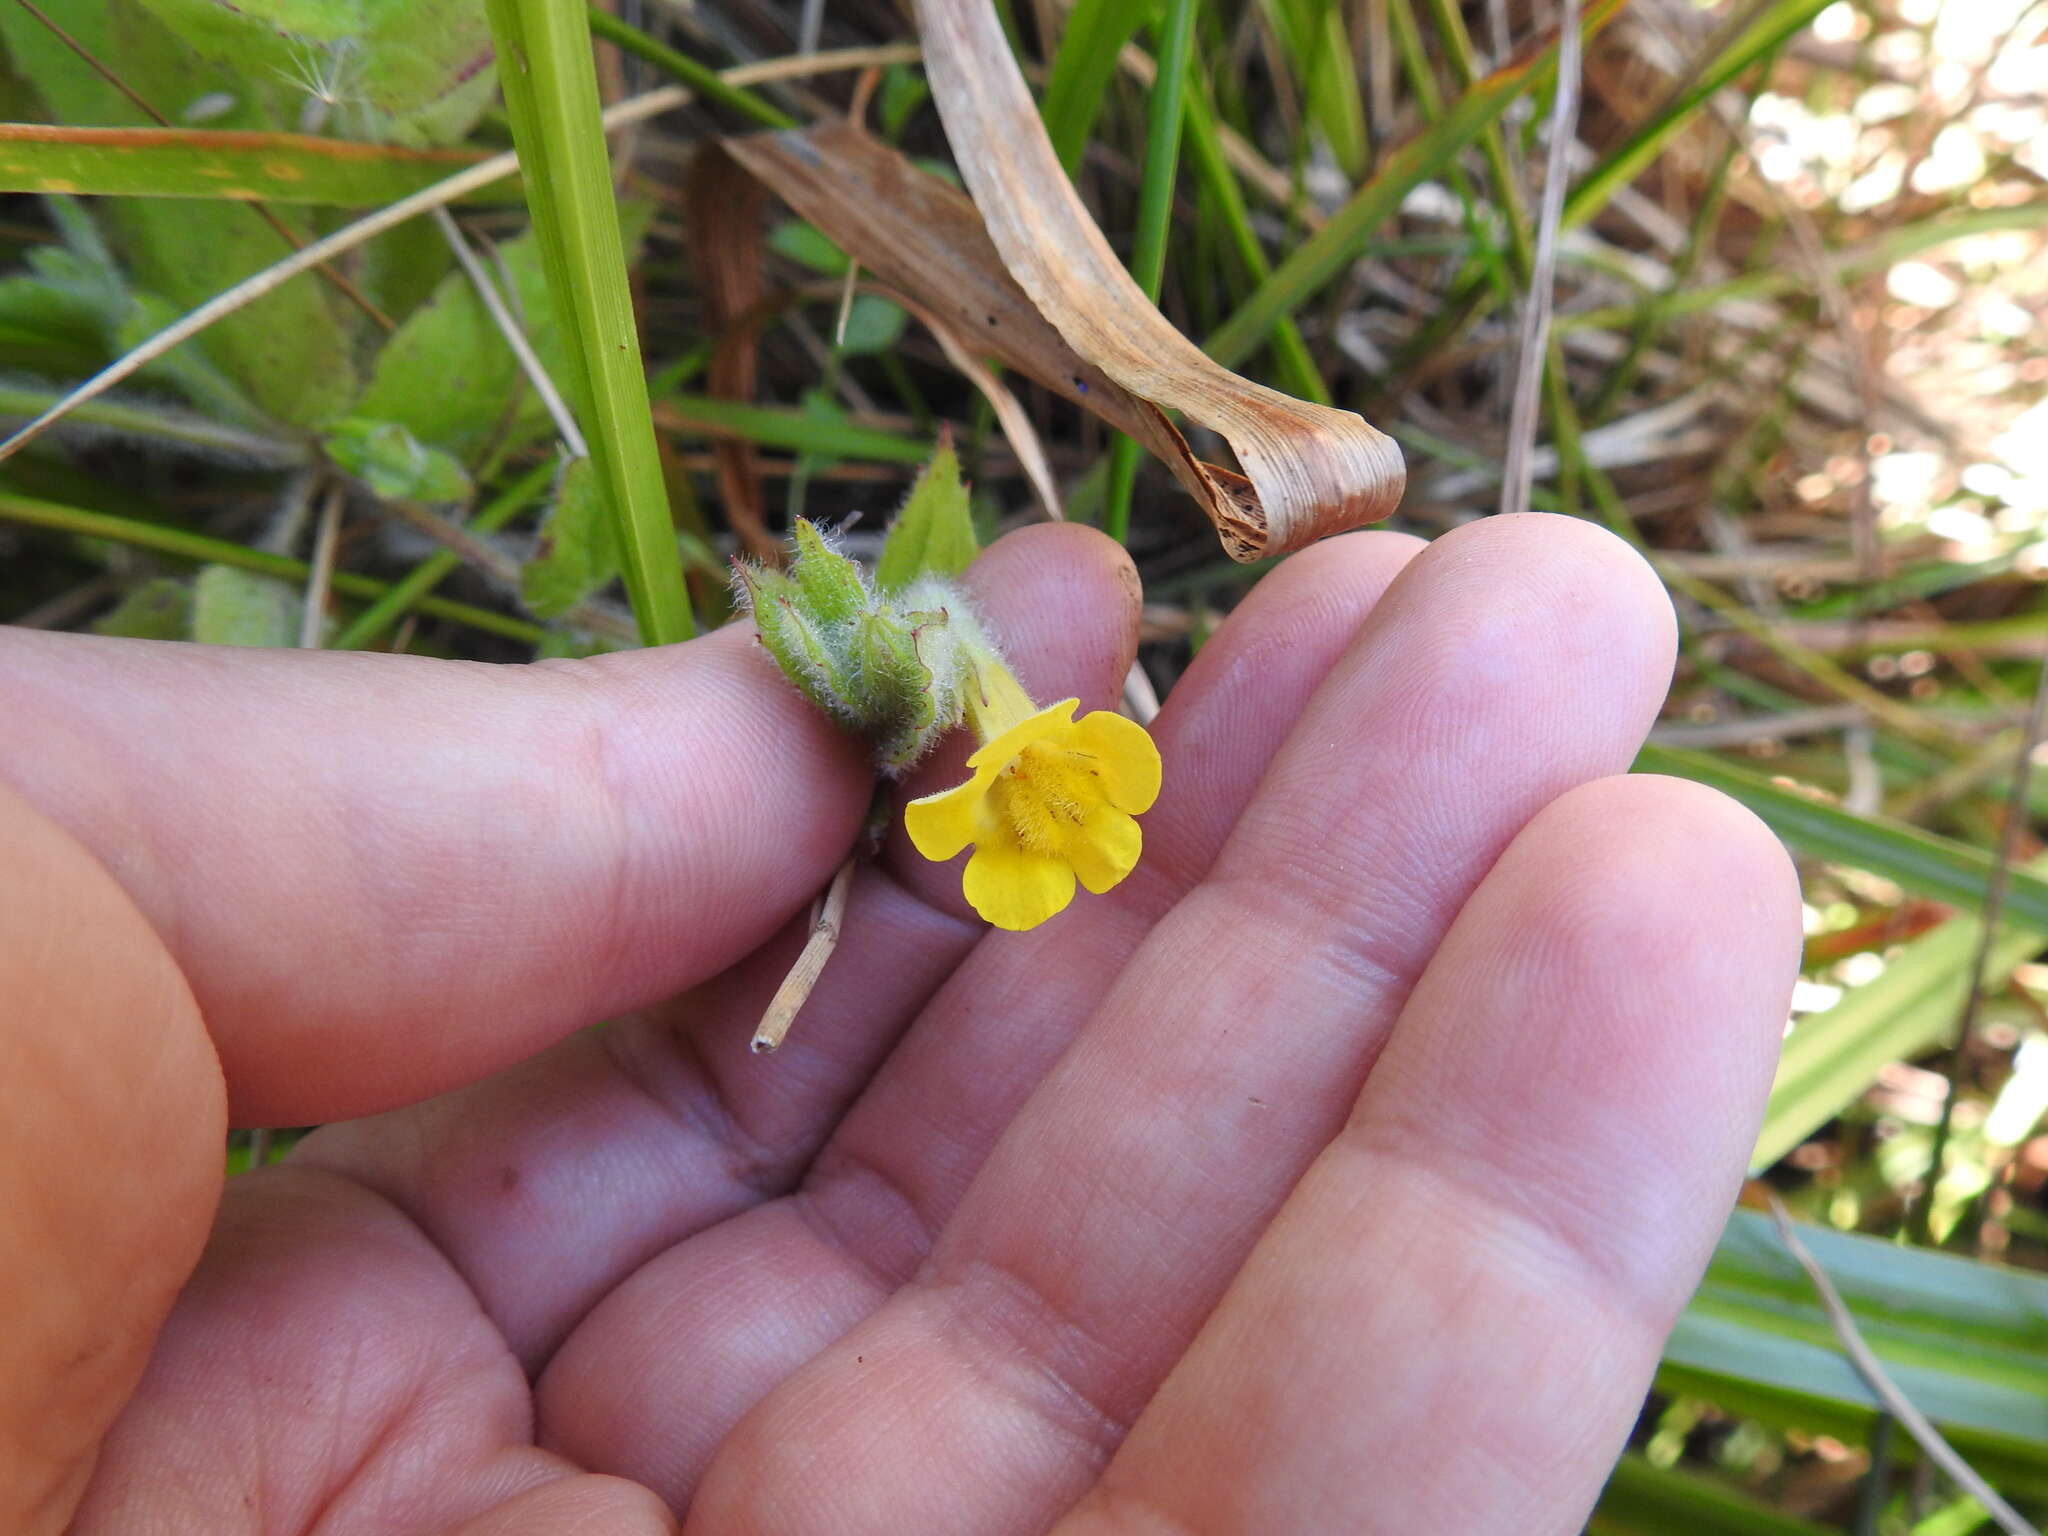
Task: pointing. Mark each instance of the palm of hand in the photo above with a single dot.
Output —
(1340, 1171)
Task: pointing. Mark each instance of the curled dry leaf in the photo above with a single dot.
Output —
(1038, 288)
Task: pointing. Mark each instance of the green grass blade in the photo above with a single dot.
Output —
(1921, 861)
(1831, 1058)
(551, 95)
(1642, 1500)
(1339, 241)
(1165, 114)
(1883, 251)
(1095, 34)
(1763, 36)
(799, 431)
(1967, 1343)
(186, 545)
(192, 162)
(1295, 368)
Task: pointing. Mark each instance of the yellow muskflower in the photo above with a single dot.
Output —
(1051, 800)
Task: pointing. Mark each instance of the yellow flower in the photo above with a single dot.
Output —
(1051, 800)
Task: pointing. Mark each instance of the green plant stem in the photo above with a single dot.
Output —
(186, 545)
(370, 625)
(700, 78)
(1165, 114)
(550, 85)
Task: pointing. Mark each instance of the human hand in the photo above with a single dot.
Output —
(1342, 1170)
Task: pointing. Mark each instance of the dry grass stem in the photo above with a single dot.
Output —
(1518, 472)
(515, 338)
(796, 987)
(320, 578)
(1896, 1403)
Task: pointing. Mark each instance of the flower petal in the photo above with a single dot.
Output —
(1105, 848)
(1014, 888)
(1125, 758)
(941, 825)
(1053, 720)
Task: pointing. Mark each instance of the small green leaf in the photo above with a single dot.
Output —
(234, 607)
(873, 325)
(803, 244)
(159, 609)
(392, 462)
(934, 533)
(579, 547)
(903, 92)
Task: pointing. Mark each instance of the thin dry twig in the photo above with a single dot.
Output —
(478, 551)
(796, 987)
(1518, 472)
(1896, 1403)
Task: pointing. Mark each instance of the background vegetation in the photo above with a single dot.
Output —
(1800, 340)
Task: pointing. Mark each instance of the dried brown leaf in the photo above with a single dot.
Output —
(1083, 329)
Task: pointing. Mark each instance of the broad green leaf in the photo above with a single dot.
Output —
(805, 245)
(873, 325)
(934, 533)
(159, 609)
(1966, 1342)
(449, 374)
(289, 351)
(578, 550)
(387, 458)
(393, 71)
(238, 607)
(903, 91)
(207, 163)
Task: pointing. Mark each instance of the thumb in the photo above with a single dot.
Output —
(110, 1158)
